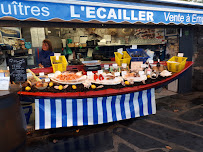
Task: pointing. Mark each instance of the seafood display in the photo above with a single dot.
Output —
(109, 76)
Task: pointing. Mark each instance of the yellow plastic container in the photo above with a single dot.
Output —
(59, 65)
(176, 64)
(125, 58)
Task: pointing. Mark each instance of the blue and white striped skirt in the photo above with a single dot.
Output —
(63, 112)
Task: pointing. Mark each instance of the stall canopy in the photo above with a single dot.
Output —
(99, 11)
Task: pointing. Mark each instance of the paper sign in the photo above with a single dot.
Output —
(134, 46)
(89, 73)
(151, 61)
(2, 74)
(29, 51)
(51, 75)
(141, 72)
(180, 54)
(124, 73)
(117, 74)
(124, 65)
(106, 66)
(115, 65)
(100, 71)
(120, 51)
(57, 55)
(4, 83)
(41, 74)
(47, 80)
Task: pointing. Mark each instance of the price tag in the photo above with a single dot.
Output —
(89, 73)
(151, 61)
(29, 51)
(4, 83)
(106, 66)
(2, 74)
(124, 73)
(141, 72)
(100, 71)
(51, 75)
(115, 65)
(120, 51)
(29, 74)
(180, 54)
(117, 74)
(143, 66)
(124, 65)
(41, 74)
(57, 55)
(47, 80)
(134, 46)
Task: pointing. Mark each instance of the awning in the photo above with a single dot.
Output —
(100, 11)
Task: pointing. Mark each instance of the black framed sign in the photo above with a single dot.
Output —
(17, 68)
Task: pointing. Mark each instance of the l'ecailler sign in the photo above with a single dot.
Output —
(46, 11)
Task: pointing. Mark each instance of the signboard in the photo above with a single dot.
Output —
(100, 11)
(4, 83)
(17, 68)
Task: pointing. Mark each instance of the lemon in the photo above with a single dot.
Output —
(93, 86)
(51, 84)
(127, 83)
(27, 88)
(74, 87)
(60, 87)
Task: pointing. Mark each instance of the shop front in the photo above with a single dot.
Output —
(107, 79)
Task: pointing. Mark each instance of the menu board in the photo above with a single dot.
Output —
(17, 68)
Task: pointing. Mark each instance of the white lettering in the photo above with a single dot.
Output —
(150, 16)
(20, 7)
(194, 19)
(171, 18)
(35, 11)
(99, 13)
(166, 17)
(72, 12)
(182, 18)
(112, 14)
(119, 14)
(26, 7)
(133, 16)
(45, 11)
(142, 15)
(90, 12)
(14, 7)
(125, 17)
(3, 11)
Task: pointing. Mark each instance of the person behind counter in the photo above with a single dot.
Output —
(44, 55)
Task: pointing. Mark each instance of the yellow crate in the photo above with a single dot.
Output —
(125, 58)
(178, 66)
(59, 65)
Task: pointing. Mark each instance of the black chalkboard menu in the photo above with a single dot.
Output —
(17, 68)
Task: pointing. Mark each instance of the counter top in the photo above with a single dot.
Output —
(107, 92)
